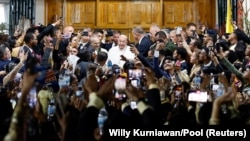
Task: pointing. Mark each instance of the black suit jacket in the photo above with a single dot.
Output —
(144, 46)
(108, 46)
(26, 49)
(39, 48)
(86, 47)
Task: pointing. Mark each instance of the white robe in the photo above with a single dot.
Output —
(115, 52)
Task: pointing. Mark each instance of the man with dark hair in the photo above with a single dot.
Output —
(168, 44)
(102, 37)
(82, 65)
(114, 40)
(191, 32)
(180, 55)
(30, 40)
(101, 58)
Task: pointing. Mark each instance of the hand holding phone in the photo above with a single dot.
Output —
(120, 87)
(198, 96)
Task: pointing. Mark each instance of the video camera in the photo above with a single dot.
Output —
(222, 43)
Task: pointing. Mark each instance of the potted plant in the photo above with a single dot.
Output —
(3, 28)
(3, 35)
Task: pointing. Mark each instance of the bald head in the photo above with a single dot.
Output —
(154, 28)
(122, 41)
(68, 30)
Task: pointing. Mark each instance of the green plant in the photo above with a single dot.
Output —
(3, 28)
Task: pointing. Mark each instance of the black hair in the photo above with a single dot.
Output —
(98, 31)
(128, 65)
(198, 43)
(32, 30)
(56, 28)
(182, 52)
(101, 56)
(190, 24)
(161, 34)
(28, 37)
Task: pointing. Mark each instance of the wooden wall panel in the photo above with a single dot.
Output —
(53, 10)
(145, 13)
(80, 14)
(113, 14)
(177, 13)
(125, 14)
(205, 12)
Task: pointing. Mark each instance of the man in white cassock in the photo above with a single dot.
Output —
(114, 54)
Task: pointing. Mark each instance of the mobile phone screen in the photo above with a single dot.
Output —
(120, 86)
(32, 98)
(120, 95)
(178, 92)
(120, 83)
(215, 87)
(135, 83)
(198, 96)
(135, 74)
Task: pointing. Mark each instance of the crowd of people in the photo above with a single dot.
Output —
(59, 84)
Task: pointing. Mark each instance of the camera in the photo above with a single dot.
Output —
(222, 44)
(135, 77)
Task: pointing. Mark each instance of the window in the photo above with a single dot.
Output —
(2, 14)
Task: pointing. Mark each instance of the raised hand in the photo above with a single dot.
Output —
(150, 76)
(91, 84)
(106, 91)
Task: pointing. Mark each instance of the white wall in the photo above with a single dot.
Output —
(39, 12)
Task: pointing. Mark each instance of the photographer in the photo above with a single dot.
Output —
(4, 60)
(114, 36)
